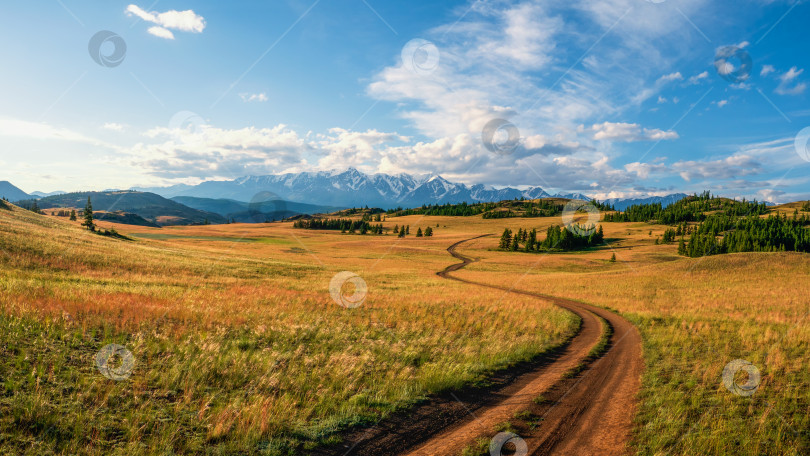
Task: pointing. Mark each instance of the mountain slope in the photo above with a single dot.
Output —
(12, 193)
(264, 208)
(147, 205)
(350, 188)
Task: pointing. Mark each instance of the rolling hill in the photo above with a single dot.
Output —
(263, 208)
(149, 206)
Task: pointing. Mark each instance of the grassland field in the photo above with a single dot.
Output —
(239, 347)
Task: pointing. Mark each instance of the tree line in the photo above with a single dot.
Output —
(777, 233)
(557, 239)
(689, 209)
(357, 226)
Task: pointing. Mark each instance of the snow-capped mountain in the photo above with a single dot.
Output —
(350, 188)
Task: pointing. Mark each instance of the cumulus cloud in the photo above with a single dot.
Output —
(210, 152)
(184, 21)
(113, 126)
(627, 132)
(725, 168)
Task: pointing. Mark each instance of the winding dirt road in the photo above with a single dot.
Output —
(589, 413)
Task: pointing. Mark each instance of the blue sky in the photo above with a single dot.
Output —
(610, 98)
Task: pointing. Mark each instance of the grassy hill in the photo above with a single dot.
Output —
(256, 212)
(149, 206)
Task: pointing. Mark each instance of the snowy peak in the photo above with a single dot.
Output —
(351, 187)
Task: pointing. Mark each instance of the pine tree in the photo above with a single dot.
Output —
(402, 233)
(408, 229)
(506, 239)
(88, 216)
(396, 229)
(419, 232)
(73, 215)
(428, 231)
(612, 258)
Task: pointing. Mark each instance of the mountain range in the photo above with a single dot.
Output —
(352, 188)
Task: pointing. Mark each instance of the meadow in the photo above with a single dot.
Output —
(695, 315)
(237, 345)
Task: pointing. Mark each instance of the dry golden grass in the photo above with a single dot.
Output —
(238, 345)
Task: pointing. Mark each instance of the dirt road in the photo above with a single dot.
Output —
(587, 413)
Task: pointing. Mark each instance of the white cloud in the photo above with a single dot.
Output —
(785, 81)
(627, 132)
(42, 131)
(671, 77)
(160, 32)
(726, 168)
(722, 103)
(184, 21)
(248, 97)
(210, 152)
(766, 70)
(661, 99)
(698, 77)
(113, 126)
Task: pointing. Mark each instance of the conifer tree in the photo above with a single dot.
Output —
(506, 239)
(88, 216)
(419, 232)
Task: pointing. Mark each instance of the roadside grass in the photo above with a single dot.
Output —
(238, 346)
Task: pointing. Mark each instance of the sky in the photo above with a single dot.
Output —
(611, 98)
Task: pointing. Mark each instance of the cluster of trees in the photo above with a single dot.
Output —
(455, 210)
(749, 234)
(557, 239)
(65, 213)
(406, 230)
(357, 226)
(806, 206)
(515, 208)
(364, 210)
(343, 225)
(527, 209)
(689, 209)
